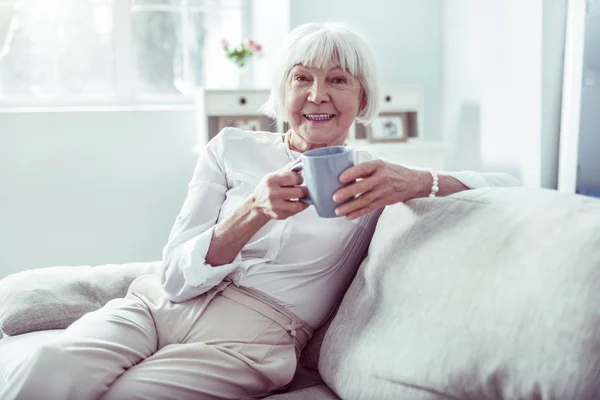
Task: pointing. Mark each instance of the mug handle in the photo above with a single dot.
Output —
(297, 168)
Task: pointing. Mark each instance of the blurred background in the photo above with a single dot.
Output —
(100, 109)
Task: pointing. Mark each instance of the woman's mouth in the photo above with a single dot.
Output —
(319, 117)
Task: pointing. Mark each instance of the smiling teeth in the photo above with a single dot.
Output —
(320, 117)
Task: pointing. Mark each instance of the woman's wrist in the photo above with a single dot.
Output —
(425, 183)
(255, 212)
(445, 185)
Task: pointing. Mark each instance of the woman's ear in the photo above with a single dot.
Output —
(363, 101)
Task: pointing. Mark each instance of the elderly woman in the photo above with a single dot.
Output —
(249, 271)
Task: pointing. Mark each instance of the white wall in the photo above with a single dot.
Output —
(492, 86)
(406, 36)
(588, 177)
(90, 187)
(502, 86)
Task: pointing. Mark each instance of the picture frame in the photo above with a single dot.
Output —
(245, 122)
(389, 127)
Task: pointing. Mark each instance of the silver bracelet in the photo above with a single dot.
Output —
(434, 187)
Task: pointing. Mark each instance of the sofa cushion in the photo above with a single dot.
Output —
(15, 349)
(52, 298)
(486, 294)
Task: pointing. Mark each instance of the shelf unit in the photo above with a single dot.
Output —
(212, 105)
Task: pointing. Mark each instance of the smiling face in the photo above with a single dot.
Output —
(321, 104)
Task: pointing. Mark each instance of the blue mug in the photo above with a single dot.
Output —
(321, 171)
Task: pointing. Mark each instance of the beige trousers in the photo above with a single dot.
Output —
(228, 343)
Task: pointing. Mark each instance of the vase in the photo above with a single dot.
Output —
(246, 76)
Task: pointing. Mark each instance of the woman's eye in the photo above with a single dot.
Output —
(301, 78)
(339, 80)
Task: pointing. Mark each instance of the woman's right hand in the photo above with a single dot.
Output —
(276, 196)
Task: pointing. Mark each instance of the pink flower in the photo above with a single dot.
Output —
(254, 46)
(224, 43)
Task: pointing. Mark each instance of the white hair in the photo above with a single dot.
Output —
(315, 45)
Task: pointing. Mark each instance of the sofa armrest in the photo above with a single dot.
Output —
(54, 297)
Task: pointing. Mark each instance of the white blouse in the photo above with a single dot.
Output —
(304, 262)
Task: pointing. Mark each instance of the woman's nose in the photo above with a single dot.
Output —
(318, 93)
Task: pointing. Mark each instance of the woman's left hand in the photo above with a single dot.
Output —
(381, 184)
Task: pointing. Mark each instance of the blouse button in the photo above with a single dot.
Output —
(270, 254)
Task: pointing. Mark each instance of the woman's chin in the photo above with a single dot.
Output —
(321, 126)
(321, 139)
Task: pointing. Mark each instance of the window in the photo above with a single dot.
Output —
(107, 51)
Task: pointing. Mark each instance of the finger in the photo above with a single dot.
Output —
(283, 178)
(365, 210)
(291, 207)
(286, 193)
(353, 189)
(296, 205)
(361, 201)
(361, 170)
(290, 178)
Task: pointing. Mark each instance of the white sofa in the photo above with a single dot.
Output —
(486, 294)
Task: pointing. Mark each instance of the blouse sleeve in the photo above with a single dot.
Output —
(474, 180)
(185, 273)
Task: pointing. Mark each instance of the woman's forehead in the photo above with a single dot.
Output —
(333, 65)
